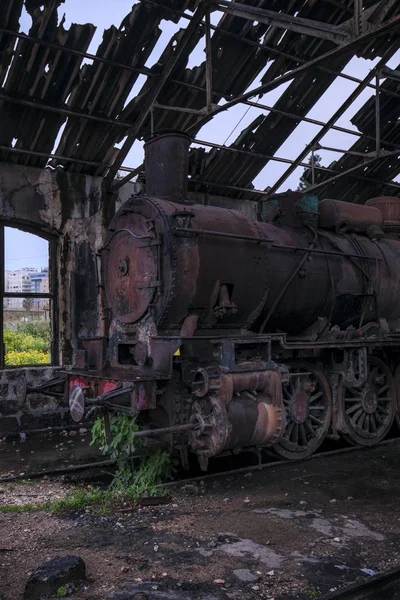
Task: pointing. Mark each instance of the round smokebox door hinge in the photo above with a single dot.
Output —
(123, 267)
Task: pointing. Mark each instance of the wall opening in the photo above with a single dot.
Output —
(27, 286)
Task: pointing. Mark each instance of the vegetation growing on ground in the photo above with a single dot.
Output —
(128, 484)
(128, 481)
(27, 344)
(312, 593)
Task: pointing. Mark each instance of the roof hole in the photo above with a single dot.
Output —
(121, 143)
(47, 68)
(14, 141)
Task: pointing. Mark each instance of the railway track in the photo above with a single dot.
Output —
(198, 478)
(384, 586)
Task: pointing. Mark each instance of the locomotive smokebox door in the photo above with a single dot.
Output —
(130, 261)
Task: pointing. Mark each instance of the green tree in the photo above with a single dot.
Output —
(27, 304)
(306, 178)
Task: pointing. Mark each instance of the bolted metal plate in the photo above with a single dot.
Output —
(20, 390)
(77, 403)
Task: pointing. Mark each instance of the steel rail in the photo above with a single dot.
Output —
(369, 588)
(183, 481)
(272, 464)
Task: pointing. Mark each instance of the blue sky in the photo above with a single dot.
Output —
(99, 12)
(25, 250)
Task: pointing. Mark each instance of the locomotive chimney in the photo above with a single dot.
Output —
(166, 166)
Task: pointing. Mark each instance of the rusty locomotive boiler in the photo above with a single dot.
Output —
(227, 333)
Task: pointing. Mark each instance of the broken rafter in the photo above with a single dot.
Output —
(333, 33)
(303, 164)
(270, 49)
(124, 124)
(351, 170)
(273, 84)
(152, 94)
(341, 110)
(147, 71)
(328, 56)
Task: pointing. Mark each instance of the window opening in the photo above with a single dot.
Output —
(28, 304)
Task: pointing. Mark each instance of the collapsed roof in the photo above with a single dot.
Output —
(62, 107)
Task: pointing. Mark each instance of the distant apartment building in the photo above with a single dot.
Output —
(27, 280)
(18, 282)
(40, 285)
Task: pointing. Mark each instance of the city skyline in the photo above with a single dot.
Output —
(26, 280)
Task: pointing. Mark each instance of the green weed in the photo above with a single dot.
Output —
(312, 593)
(62, 591)
(78, 499)
(127, 484)
(14, 508)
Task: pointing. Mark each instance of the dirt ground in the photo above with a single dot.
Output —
(286, 532)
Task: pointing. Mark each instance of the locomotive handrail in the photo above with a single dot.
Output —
(237, 236)
(321, 251)
(137, 237)
(258, 240)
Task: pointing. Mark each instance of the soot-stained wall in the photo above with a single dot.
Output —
(75, 211)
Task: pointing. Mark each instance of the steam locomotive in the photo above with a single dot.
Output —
(227, 333)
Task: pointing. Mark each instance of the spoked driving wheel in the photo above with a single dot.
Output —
(308, 404)
(368, 411)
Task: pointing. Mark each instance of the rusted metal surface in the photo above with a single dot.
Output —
(192, 289)
(390, 209)
(308, 403)
(367, 411)
(252, 293)
(167, 162)
(175, 273)
(226, 419)
(345, 216)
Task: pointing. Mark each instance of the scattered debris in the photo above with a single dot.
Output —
(51, 575)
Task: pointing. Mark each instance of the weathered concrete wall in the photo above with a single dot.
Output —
(38, 411)
(75, 211)
(71, 209)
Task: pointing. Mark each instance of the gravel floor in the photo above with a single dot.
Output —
(287, 532)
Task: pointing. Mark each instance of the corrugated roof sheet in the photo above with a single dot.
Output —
(30, 71)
